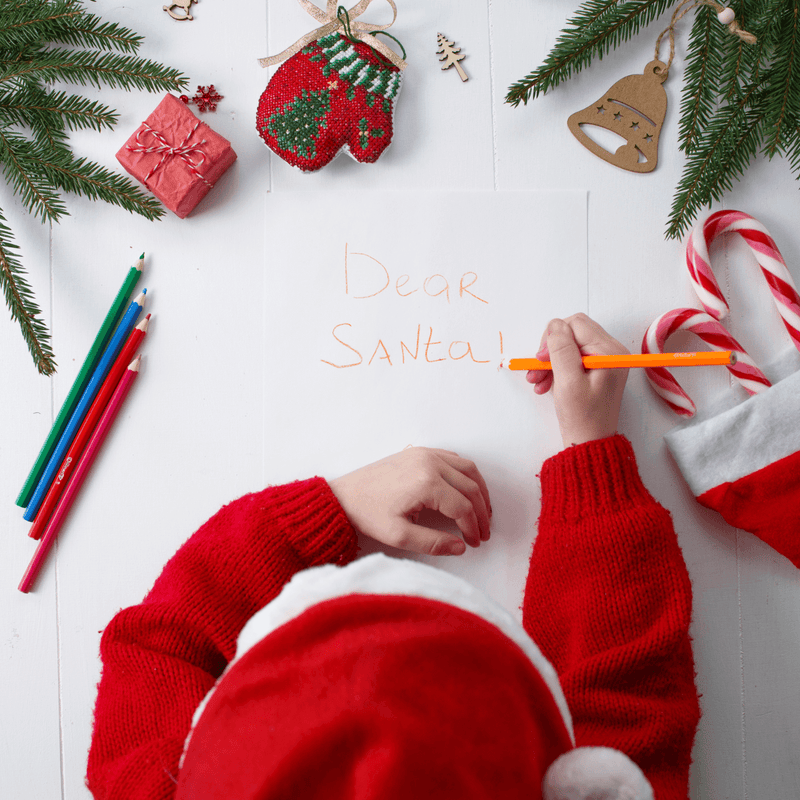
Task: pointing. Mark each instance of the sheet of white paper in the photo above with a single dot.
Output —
(386, 321)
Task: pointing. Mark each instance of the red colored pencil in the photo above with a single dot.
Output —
(87, 426)
(78, 476)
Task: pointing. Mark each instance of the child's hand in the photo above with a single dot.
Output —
(587, 402)
(382, 500)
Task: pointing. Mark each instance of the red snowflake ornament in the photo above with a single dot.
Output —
(206, 98)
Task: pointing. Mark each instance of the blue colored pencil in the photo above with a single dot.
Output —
(104, 365)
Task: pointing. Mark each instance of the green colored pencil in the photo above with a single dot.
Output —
(101, 340)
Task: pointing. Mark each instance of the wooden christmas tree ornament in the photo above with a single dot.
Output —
(633, 108)
(450, 55)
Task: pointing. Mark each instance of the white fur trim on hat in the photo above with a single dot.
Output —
(381, 575)
(595, 773)
(378, 574)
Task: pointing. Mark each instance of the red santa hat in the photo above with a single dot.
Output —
(391, 679)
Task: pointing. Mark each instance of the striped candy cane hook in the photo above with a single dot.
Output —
(766, 252)
(712, 333)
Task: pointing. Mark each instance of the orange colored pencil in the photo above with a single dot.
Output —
(87, 426)
(702, 359)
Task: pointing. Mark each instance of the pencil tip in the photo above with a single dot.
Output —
(141, 257)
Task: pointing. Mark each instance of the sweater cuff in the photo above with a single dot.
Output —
(597, 477)
(317, 528)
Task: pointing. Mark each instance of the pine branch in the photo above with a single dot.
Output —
(34, 150)
(792, 148)
(20, 301)
(782, 79)
(19, 157)
(92, 68)
(739, 98)
(703, 66)
(83, 177)
(33, 105)
(63, 21)
(597, 26)
(724, 152)
(739, 57)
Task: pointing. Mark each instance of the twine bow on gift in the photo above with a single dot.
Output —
(336, 18)
(183, 151)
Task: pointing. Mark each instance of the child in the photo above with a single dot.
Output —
(384, 678)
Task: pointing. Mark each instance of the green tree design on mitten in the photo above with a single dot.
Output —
(365, 132)
(297, 124)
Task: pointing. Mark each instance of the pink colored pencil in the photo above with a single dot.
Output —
(78, 476)
(78, 445)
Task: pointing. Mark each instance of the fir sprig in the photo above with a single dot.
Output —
(88, 67)
(703, 68)
(752, 110)
(739, 99)
(722, 153)
(782, 82)
(21, 302)
(42, 41)
(65, 22)
(18, 155)
(83, 177)
(34, 106)
(596, 27)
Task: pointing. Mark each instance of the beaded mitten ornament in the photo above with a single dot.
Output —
(335, 92)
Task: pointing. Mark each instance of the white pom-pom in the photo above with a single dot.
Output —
(726, 16)
(595, 773)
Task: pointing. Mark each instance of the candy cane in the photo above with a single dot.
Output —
(767, 254)
(712, 333)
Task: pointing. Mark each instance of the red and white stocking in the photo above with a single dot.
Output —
(744, 460)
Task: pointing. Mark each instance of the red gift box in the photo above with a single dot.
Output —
(176, 156)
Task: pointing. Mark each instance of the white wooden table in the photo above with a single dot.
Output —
(190, 438)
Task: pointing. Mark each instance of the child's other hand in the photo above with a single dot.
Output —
(382, 500)
(587, 402)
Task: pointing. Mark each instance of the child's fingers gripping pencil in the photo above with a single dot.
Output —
(78, 476)
(587, 401)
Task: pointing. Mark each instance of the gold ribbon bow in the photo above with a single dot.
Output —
(331, 22)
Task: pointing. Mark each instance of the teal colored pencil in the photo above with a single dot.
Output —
(111, 321)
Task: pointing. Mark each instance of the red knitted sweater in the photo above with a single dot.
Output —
(608, 601)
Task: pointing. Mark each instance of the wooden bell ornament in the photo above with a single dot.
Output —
(633, 108)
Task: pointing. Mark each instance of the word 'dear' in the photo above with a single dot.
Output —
(366, 277)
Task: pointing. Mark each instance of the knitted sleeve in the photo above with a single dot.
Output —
(608, 600)
(162, 656)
